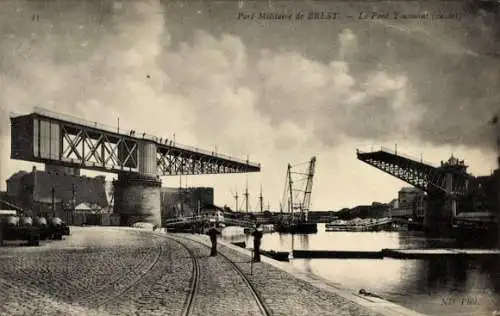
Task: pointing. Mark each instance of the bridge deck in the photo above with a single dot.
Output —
(419, 174)
(74, 142)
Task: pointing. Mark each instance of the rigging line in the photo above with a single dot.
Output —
(300, 164)
(283, 197)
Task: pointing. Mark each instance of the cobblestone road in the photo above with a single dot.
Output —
(119, 271)
(96, 271)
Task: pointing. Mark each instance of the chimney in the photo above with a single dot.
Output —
(33, 169)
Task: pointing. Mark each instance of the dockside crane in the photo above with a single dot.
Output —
(306, 204)
(298, 198)
(297, 195)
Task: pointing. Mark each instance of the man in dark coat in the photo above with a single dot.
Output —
(213, 232)
(257, 236)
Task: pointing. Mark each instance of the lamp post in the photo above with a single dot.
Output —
(53, 202)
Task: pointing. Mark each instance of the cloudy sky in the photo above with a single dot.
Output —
(278, 91)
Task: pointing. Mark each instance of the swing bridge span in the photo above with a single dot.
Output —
(73, 142)
(454, 198)
(139, 159)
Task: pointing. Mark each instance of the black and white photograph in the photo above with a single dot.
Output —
(260, 157)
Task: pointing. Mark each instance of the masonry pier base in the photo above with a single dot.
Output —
(137, 199)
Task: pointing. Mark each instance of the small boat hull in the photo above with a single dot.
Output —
(297, 228)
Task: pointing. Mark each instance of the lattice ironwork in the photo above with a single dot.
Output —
(58, 139)
(417, 174)
(88, 147)
(175, 161)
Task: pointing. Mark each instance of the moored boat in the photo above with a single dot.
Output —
(297, 228)
(361, 225)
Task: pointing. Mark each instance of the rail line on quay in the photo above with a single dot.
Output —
(191, 299)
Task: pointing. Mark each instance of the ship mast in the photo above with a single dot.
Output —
(261, 199)
(246, 197)
(236, 199)
(290, 184)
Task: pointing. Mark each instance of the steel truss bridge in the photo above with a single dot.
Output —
(422, 175)
(48, 137)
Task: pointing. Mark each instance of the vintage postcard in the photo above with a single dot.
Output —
(234, 157)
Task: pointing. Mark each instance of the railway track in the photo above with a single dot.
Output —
(101, 300)
(109, 280)
(195, 282)
(161, 279)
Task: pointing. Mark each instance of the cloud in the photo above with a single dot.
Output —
(239, 89)
(330, 100)
(119, 59)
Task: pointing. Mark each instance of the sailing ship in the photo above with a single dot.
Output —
(296, 220)
(258, 218)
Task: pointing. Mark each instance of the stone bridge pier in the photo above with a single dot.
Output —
(437, 219)
(441, 209)
(137, 195)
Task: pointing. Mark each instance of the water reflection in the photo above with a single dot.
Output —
(303, 243)
(446, 286)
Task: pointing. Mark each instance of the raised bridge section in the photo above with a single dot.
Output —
(447, 186)
(48, 137)
(420, 174)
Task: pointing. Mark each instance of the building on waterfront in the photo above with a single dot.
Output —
(393, 205)
(63, 192)
(409, 203)
(485, 194)
(14, 184)
(62, 169)
(55, 190)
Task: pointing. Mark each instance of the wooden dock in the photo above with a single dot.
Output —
(337, 254)
(397, 254)
(439, 253)
(384, 253)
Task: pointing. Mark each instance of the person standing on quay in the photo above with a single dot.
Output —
(257, 236)
(213, 232)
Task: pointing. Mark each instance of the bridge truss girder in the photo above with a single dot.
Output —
(80, 144)
(417, 174)
(88, 147)
(173, 162)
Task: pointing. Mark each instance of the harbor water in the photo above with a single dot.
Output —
(439, 286)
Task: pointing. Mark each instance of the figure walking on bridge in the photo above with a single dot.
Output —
(213, 232)
(257, 236)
